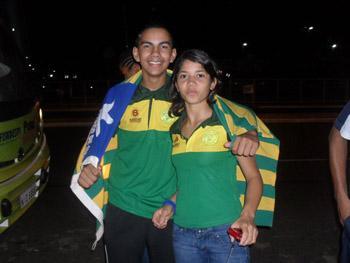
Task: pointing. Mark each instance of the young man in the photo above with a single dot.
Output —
(140, 174)
(338, 155)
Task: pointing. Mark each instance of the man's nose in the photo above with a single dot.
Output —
(155, 51)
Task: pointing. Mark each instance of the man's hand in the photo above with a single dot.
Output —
(88, 176)
(161, 216)
(245, 145)
(343, 208)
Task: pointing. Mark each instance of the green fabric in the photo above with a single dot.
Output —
(142, 93)
(142, 175)
(207, 190)
(207, 193)
(176, 127)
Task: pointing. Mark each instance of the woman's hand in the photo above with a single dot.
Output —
(249, 230)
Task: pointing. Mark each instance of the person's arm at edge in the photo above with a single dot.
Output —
(338, 151)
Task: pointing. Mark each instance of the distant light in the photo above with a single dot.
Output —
(334, 46)
(309, 28)
(75, 76)
(91, 87)
(51, 75)
(27, 57)
(245, 44)
(43, 86)
(54, 71)
(33, 69)
(228, 75)
(66, 76)
(13, 29)
(30, 65)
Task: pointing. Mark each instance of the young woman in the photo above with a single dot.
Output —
(207, 198)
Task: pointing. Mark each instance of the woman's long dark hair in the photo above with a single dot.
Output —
(197, 56)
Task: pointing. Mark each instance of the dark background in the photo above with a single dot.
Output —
(87, 37)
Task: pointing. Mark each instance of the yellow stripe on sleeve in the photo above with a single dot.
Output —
(269, 150)
(268, 177)
(241, 112)
(266, 203)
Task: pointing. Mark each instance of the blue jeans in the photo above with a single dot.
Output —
(345, 247)
(194, 245)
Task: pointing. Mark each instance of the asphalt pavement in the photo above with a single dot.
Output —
(57, 228)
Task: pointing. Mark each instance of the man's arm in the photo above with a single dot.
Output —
(338, 151)
(162, 215)
(245, 145)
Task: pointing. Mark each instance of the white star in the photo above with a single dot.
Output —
(104, 115)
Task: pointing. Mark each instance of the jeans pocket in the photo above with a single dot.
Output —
(239, 254)
(223, 238)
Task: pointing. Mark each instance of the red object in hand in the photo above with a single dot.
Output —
(236, 233)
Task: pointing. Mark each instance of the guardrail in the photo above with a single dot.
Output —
(248, 91)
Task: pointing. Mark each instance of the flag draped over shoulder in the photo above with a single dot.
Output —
(237, 120)
(102, 139)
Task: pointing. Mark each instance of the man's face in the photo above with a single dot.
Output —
(154, 52)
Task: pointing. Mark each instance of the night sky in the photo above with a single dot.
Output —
(88, 36)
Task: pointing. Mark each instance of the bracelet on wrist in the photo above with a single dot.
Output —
(170, 203)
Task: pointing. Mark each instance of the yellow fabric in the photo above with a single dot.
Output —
(266, 203)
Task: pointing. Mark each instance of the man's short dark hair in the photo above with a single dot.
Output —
(149, 26)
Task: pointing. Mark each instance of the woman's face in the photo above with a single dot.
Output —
(194, 83)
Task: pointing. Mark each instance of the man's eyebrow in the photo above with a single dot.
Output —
(145, 42)
(161, 43)
(166, 42)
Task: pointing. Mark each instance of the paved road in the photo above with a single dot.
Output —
(58, 229)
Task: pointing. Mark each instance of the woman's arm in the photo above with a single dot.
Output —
(252, 199)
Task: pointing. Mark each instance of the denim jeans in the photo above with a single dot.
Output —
(196, 245)
(345, 247)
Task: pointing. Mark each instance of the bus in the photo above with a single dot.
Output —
(24, 152)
